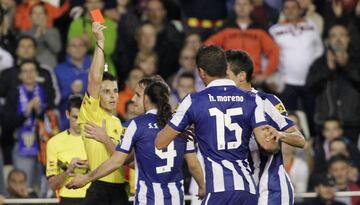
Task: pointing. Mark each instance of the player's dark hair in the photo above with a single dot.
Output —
(25, 37)
(74, 102)
(337, 158)
(240, 61)
(146, 81)
(159, 93)
(14, 171)
(212, 60)
(109, 77)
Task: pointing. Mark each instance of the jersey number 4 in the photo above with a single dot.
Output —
(169, 155)
(224, 120)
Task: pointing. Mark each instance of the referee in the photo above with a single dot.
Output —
(66, 155)
(100, 129)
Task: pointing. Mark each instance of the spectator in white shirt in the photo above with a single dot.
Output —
(300, 45)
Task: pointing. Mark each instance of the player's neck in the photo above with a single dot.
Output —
(209, 79)
(245, 86)
(74, 132)
(150, 107)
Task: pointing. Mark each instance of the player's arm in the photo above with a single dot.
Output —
(107, 167)
(165, 137)
(97, 64)
(292, 136)
(178, 123)
(195, 170)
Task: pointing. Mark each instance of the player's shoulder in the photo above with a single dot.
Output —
(58, 138)
(274, 101)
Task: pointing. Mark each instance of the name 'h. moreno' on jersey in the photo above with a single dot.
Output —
(274, 185)
(158, 172)
(224, 118)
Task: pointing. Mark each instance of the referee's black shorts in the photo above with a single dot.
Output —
(71, 201)
(105, 193)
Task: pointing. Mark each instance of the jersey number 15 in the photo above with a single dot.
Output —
(224, 120)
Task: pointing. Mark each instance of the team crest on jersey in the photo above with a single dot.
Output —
(280, 107)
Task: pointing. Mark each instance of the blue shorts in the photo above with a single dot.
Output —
(230, 198)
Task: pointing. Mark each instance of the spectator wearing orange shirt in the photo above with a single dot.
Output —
(23, 11)
(242, 33)
(125, 95)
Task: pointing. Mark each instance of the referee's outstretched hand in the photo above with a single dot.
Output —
(97, 30)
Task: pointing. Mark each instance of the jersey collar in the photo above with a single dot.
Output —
(152, 111)
(221, 82)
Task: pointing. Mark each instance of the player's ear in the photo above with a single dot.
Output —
(202, 73)
(242, 76)
(67, 113)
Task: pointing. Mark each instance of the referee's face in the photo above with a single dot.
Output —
(109, 95)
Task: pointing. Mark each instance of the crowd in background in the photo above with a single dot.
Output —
(304, 51)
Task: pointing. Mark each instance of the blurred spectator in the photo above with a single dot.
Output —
(335, 81)
(127, 23)
(147, 63)
(24, 104)
(17, 187)
(203, 16)
(309, 12)
(25, 50)
(276, 4)
(47, 38)
(169, 38)
(339, 169)
(342, 12)
(325, 189)
(185, 84)
(23, 19)
(332, 130)
(296, 167)
(300, 45)
(193, 40)
(125, 95)
(8, 32)
(244, 34)
(188, 65)
(72, 75)
(264, 14)
(341, 146)
(81, 27)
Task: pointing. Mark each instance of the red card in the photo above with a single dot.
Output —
(97, 16)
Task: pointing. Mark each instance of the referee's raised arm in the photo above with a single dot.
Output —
(97, 64)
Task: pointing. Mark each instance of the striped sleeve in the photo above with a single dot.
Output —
(182, 118)
(277, 112)
(127, 142)
(258, 116)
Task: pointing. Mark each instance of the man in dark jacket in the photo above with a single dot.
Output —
(335, 80)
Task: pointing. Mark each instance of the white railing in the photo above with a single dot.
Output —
(187, 198)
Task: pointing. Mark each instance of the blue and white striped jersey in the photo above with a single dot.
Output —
(159, 172)
(274, 185)
(224, 118)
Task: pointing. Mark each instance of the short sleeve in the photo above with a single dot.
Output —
(88, 109)
(182, 117)
(190, 147)
(51, 160)
(277, 112)
(129, 138)
(258, 116)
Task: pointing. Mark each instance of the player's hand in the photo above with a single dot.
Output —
(78, 181)
(188, 134)
(76, 163)
(201, 193)
(92, 131)
(273, 134)
(97, 30)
